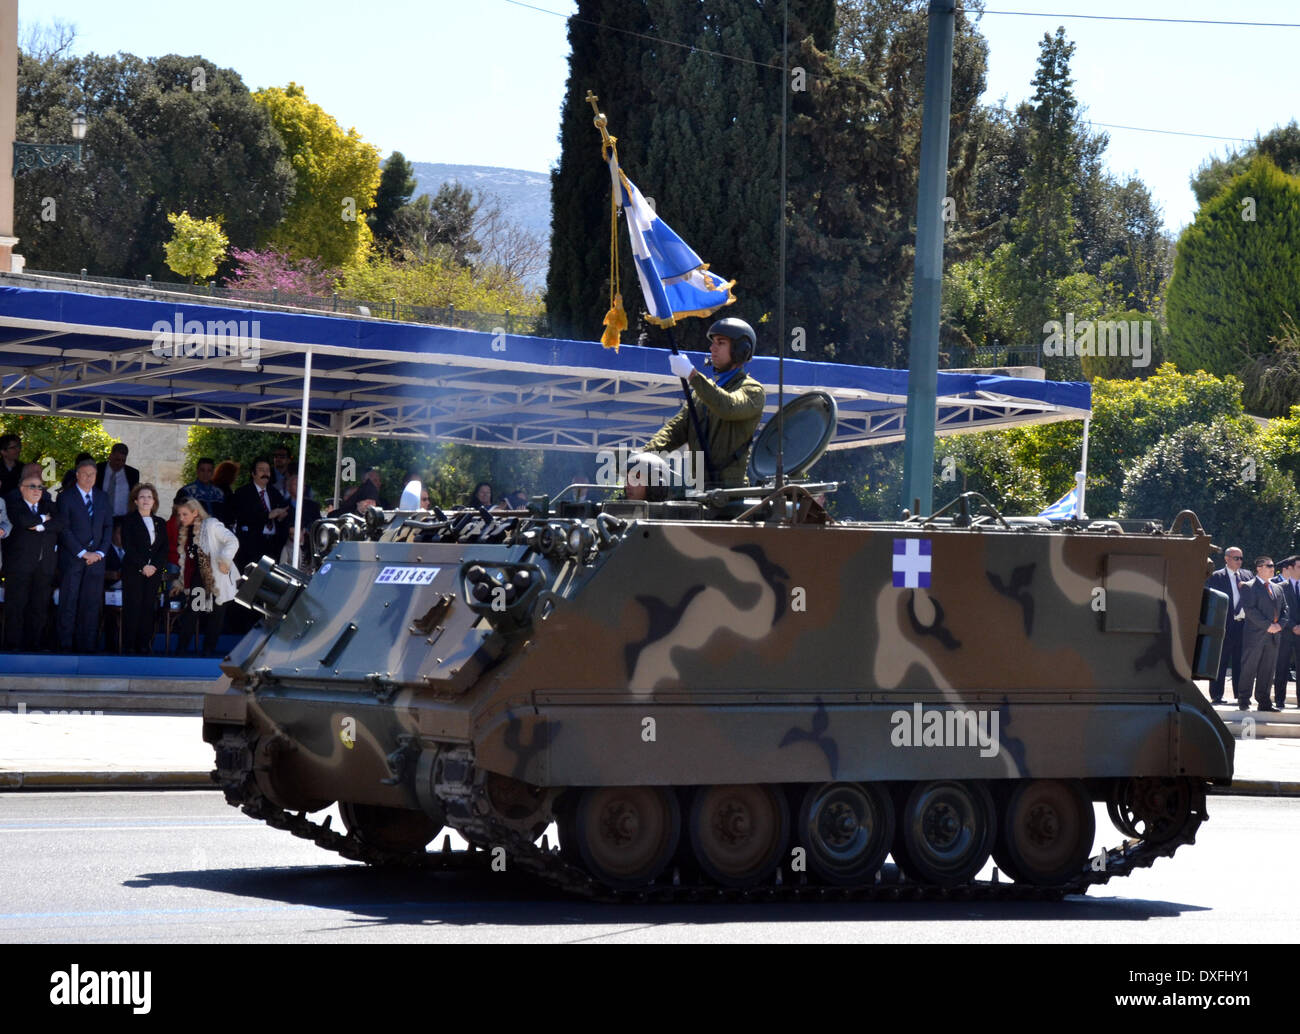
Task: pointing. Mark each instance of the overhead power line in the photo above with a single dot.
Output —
(1168, 132)
(1141, 18)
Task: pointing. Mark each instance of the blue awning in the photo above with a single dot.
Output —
(127, 358)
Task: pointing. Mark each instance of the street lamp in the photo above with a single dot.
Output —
(30, 157)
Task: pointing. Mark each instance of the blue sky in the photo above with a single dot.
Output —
(481, 83)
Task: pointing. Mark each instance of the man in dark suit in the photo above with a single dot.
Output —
(85, 541)
(1228, 580)
(11, 467)
(29, 561)
(1289, 646)
(1266, 621)
(116, 479)
(260, 513)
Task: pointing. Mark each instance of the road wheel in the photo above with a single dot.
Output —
(847, 829)
(626, 836)
(739, 833)
(398, 830)
(947, 830)
(1046, 831)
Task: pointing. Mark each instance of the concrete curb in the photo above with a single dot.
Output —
(107, 781)
(1258, 788)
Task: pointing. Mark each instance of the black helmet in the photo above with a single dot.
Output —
(743, 341)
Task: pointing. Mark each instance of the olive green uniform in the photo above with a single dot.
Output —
(729, 416)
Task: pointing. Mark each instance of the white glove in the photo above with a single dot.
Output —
(681, 366)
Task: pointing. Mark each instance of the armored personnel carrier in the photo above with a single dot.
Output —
(731, 695)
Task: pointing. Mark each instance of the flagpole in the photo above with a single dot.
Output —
(780, 294)
(1081, 477)
(710, 473)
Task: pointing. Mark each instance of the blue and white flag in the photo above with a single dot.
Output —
(674, 281)
(1064, 509)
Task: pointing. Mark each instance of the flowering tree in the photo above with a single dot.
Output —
(274, 270)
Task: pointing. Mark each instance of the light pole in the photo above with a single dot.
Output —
(30, 157)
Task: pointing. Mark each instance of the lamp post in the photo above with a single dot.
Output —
(30, 157)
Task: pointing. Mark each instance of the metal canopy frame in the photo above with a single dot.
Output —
(88, 355)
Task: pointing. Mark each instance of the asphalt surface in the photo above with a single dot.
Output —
(171, 867)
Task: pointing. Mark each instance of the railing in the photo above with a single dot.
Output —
(984, 356)
(391, 309)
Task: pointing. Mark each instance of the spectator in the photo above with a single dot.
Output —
(5, 528)
(11, 467)
(516, 500)
(203, 489)
(280, 469)
(364, 494)
(310, 515)
(425, 503)
(70, 475)
(29, 561)
(1266, 620)
(113, 587)
(224, 479)
(174, 525)
(482, 494)
(116, 479)
(1289, 641)
(144, 536)
(83, 545)
(207, 550)
(259, 512)
(1229, 580)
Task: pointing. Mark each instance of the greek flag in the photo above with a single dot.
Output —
(674, 281)
(1064, 508)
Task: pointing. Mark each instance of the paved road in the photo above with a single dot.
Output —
(181, 867)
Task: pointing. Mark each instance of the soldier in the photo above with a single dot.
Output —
(729, 406)
(1266, 620)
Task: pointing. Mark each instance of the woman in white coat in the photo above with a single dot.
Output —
(205, 553)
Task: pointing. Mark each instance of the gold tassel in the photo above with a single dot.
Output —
(615, 324)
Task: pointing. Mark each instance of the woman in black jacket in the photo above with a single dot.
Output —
(144, 544)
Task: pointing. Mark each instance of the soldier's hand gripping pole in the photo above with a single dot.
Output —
(695, 417)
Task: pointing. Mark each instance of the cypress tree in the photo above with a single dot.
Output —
(396, 185)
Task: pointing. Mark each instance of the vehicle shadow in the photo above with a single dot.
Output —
(369, 897)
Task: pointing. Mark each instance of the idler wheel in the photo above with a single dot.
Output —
(1046, 831)
(1153, 809)
(390, 829)
(846, 829)
(739, 833)
(946, 832)
(625, 835)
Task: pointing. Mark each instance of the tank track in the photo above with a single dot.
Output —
(234, 773)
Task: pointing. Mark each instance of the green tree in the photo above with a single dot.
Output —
(55, 441)
(164, 135)
(196, 248)
(396, 185)
(438, 283)
(1043, 248)
(985, 463)
(452, 212)
(1237, 272)
(1128, 418)
(1214, 469)
(1280, 145)
(337, 177)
